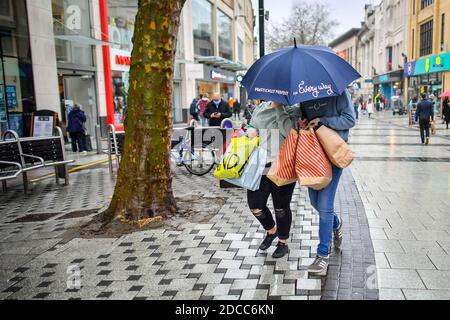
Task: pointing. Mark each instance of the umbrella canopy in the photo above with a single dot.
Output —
(445, 95)
(298, 74)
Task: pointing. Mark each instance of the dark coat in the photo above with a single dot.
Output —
(446, 111)
(224, 110)
(425, 110)
(76, 120)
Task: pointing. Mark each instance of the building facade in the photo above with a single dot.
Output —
(366, 49)
(428, 66)
(58, 53)
(346, 46)
(390, 48)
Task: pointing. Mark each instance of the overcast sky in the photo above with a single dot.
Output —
(349, 13)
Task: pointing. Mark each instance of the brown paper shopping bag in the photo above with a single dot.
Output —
(337, 150)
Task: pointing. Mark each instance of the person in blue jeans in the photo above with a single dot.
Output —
(336, 113)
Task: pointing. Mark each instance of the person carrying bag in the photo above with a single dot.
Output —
(335, 113)
(273, 122)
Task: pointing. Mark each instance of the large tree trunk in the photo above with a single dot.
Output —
(144, 182)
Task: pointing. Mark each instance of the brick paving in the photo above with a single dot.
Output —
(218, 259)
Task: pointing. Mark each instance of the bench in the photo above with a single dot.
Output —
(39, 152)
(10, 162)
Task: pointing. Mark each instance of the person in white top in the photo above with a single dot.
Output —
(370, 107)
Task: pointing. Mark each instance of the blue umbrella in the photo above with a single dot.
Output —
(298, 74)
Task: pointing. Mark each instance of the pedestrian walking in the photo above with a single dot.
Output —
(424, 114)
(356, 107)
(370, 107)
(272, 117)
(201, 105)
(76, 128)
(248, 111)
(337, 114)
(193, 110)
(237, 110)
(217, 110)
(446, 111)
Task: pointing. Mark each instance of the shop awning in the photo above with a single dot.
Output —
(222, 63)
(85, 40)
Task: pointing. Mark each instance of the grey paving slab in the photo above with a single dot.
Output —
(436, 279)
(409, 261)
(392, 294)
(411, 294)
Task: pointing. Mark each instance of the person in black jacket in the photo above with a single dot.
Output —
(217, 110)
(425, 114)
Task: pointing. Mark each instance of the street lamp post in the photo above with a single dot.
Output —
(261, 28)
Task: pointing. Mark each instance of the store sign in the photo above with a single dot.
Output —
(342, 54)
(215, 75)
(123, 60)
(73, 20)
(11, 96)
(43, 126)
(120, 60)
(438, 63)
(195, 71)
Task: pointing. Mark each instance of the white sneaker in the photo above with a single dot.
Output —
(84, 153)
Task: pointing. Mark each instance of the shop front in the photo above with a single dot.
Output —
(121, 20)
(217, 80)
(430, 75)
(74, 46)
(388, 85)
(119, 16)
(17, 97)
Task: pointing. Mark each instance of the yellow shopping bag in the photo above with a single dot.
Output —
(236, 157)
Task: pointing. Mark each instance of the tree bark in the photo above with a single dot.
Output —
(144, 181)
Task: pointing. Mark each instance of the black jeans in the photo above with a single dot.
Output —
(424, 125)
(281, 197)
(77, 138)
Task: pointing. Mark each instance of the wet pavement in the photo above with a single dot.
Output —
(394, 199)
(405, 188)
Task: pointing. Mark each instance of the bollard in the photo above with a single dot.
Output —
(98, 140)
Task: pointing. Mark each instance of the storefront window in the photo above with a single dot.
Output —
(17, 99)
(122, 16)
(224, 30)
(202, 27)
(72, 28)
(121, 20)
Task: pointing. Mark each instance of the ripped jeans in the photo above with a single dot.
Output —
(281, 197)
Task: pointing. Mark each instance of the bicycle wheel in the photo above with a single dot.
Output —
(200, 161)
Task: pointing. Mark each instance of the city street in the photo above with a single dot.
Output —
(394, 200)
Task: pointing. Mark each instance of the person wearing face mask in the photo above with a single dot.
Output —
(217, 110)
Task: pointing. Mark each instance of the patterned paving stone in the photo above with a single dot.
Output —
(214, 260)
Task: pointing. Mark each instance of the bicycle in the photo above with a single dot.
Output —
(197, 160)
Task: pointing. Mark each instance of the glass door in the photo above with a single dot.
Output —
(81, 90)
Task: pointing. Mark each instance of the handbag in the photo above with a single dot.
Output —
(236, 157)
(282, 171)
(433, 128)
(254, 169)
(337, 150)
(312, 166)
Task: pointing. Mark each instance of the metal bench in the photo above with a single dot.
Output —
(10, 162)
(41, 152)
(14, 161)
